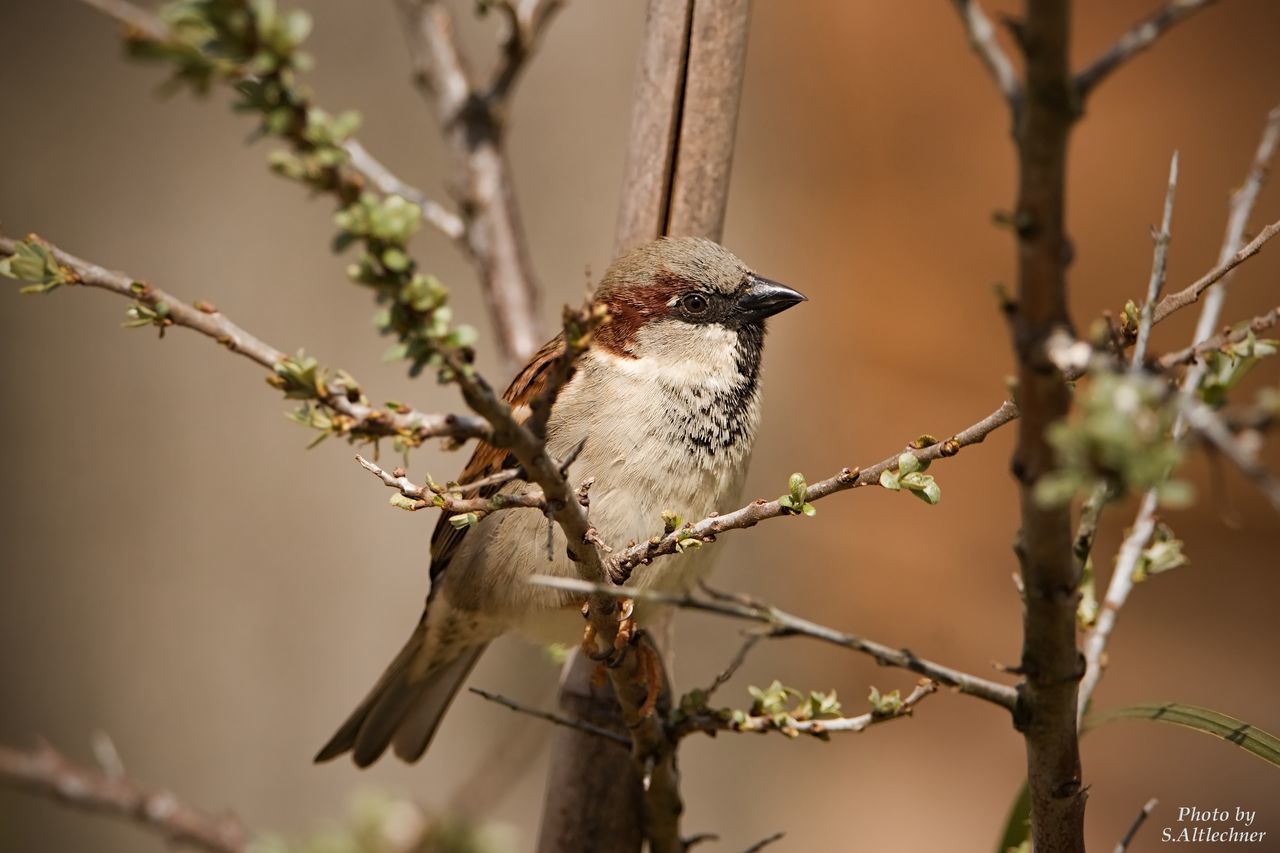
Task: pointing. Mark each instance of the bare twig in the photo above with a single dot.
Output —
(750, 638)
(1192, 292)
(360, 418)
(46, 772)
(783, 624)
(1159, 264)
(474, 125)
(558, 720)
(1138, 821)
(982, 36)
(765, 842)
(1136, 40)
(424, 497)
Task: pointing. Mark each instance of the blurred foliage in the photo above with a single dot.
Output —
(1120, 436)
(255, 46)
(380, 824)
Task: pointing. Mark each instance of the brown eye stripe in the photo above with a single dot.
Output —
(630, 307)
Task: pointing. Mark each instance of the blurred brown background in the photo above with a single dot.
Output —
(179, 573)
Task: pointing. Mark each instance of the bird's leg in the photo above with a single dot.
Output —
(589, 637)
(627, 633)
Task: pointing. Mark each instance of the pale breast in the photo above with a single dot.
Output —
(657, 440)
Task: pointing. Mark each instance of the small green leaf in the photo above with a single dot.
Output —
(889, 480)
(400, 501)
(464, 520)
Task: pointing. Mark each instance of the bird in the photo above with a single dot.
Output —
(666, 398)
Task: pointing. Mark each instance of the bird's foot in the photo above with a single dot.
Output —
(627, 634)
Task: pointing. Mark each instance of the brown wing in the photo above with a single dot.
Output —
(488, 460)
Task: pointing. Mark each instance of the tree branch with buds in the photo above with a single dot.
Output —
(47, 771)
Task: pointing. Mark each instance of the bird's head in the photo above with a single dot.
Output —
(685, 296)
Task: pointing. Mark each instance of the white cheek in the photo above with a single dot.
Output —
(694, 352)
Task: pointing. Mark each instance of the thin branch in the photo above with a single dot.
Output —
(1136, 40)
(750, 638)
(707, 529)
(424, 497)
(1159, 263)
(558, 720)
(783, 624)
(355, 415)
(982, 37)
(44, 771)
(474, 126)
(1138, 821)
(1192, 292)
(765, 842)
(711, 722)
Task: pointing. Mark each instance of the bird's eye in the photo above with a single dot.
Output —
(694, 303)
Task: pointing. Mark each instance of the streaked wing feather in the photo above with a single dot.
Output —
(489, 460)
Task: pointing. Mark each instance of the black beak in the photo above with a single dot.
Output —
(763, 298)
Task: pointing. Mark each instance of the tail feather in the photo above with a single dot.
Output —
(401, 709)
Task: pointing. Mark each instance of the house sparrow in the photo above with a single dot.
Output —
(667, 398)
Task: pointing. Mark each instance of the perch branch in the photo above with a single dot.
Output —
(44, 771)
(707, 529)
